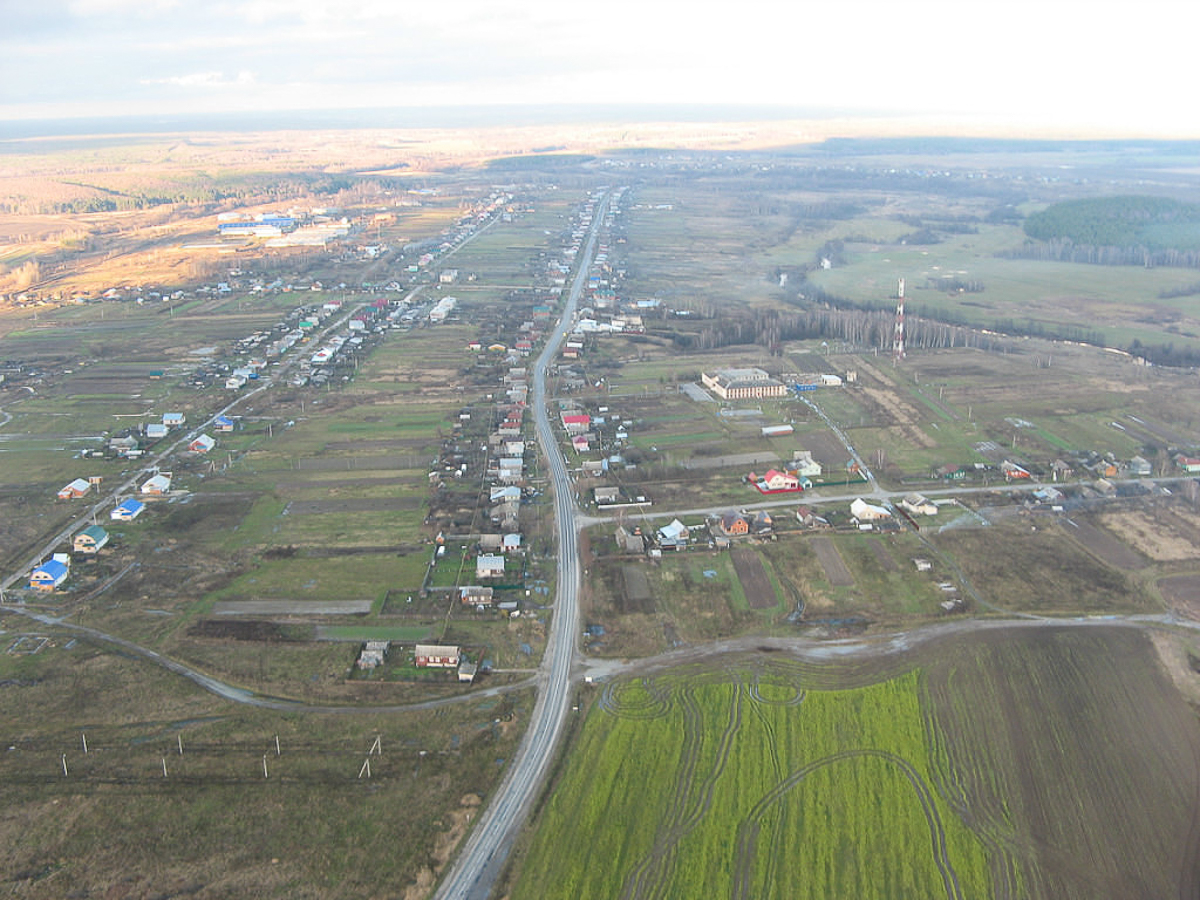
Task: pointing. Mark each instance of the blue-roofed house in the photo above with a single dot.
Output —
(223, 424)
(173, 419)
(48, 575)
(127, 511)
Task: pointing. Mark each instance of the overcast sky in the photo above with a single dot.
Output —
(1116, 67)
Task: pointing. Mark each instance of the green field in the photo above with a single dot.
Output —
(752, 784)
(979, 767)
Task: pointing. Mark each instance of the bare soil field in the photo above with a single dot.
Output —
(831, 561)
(883, 557)
(1031, 756)
(1104, 546)
(1182, 592)
(1164, 533)
(755, 583)
(291, 607)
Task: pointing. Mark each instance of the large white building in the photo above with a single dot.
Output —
(742, 384)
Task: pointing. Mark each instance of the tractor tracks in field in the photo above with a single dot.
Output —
(746, 852)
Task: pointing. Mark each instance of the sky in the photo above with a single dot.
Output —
(1095, 66)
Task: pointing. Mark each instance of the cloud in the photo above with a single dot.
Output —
(205, 80)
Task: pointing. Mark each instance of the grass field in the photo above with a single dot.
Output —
(984, 770)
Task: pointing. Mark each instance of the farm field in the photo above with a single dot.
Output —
(929, 775)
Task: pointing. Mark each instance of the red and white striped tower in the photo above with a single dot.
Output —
(898, 334)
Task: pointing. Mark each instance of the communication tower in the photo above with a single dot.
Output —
(898, 334)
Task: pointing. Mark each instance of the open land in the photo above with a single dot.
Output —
(351, 500)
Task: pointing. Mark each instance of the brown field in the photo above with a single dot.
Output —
(1104, 546)
(638, 597)
(831, 560)
(1030, 760)
(755, 583)
(1164, 533)
(1182, 592)
(1047, 570)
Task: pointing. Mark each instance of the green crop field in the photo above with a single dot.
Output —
(979, 767)
(752, 784)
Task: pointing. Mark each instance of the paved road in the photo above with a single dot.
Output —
(483, 855)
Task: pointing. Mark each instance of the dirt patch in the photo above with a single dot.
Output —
(755, 583)
(831, 561)
(1182, 593)
(1179, 663)
(637, 590)
(239, 630)
(1104, 546)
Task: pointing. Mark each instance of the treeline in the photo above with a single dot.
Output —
(1115, 231)
(1166, 354)
(1064, 250)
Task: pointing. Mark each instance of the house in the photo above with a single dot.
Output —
(91, 539)
(762, 522)
(74, 489)
(123, 445)
(155, 431)
(489, 543)
(733, 523)
(174, 419)
(467, 672)
(442, 656)
(607, 495)
(865, 512)
(1139, 467)
(504, 494)
(489, 566)
(674, 535)
(511, 543)
(127, 510)
(1048, 494)
(579, 443)
(1189, 464)
(918, 505)
(576, 423)
(630, 541)
(157, 485)
(950, 472)
(809, 519)
(475, 595)
(223, 424)
(48, 575)
(804, 465)
(202, 444)
(775, 481)
(1011, 470)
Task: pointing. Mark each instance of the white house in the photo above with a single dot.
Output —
(489, 566)
(157, 485)
(202, 444)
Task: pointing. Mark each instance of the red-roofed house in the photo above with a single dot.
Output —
(576, 423)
